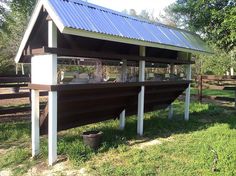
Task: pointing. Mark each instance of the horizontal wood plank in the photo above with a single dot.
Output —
(19, 95)
(102, 55)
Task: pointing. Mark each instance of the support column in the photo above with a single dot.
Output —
(123, 78)
(52, 127)
(35, 122)
(187, 96)
(171, 109)
(142, 52)
(122, 120)
(52, 97)
(22, 69)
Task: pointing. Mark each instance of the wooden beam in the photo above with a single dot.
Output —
(19, 95)
(14, 79)
(102, 55)
(13, 85)
(70, 87)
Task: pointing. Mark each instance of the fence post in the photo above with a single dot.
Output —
(235, 97)
(200, 88)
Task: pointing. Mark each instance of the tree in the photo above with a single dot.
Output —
(215, 21)
(13, 21)
(217, 64)
(144, 14)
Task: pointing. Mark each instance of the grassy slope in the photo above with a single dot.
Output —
(189, 152)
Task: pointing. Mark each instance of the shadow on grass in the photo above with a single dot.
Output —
(156, 125)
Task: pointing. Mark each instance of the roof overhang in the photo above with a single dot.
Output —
(88, 34)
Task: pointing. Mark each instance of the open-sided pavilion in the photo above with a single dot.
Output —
(73, 28)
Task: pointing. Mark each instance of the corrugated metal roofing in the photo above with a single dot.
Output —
(81, 15)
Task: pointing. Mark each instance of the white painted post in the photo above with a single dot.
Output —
(22, 69)
(35, 136)
(171, 109)
(124, 78)
(44, 71)
(16, 69)
(52, 96)
(187, 96)
(122, 120)
(141, 93)
(52, 127)
(231, 71)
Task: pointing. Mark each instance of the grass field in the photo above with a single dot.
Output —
(219, 93)
(203, 146)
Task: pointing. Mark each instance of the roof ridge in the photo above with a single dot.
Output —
(91, 5)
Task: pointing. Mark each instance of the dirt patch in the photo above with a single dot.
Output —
(150, 143)
(61, 168)
(146, 142)
(3, 152)
(6, 173)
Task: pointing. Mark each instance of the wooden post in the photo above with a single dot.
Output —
(122, 120)
(52, 96)
(187, 96)
(22, 69)
(44, 71)
(16, 69)
(124, 78)
(200, 88)
(235, 98)
(171, 112)
(35, 123)
(141, 93)
(171, 109)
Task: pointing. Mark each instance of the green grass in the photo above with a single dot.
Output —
(219, 93)
(187, 148)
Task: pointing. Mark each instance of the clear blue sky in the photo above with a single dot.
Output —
(156, 6)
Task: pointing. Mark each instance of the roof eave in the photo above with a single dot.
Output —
(113, 38)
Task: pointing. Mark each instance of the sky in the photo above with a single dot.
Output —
(157, 6)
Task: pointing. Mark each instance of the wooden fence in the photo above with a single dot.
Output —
(211, 82)
(15, 83)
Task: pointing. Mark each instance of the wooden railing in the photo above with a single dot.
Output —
(16, 83)
(211, 82)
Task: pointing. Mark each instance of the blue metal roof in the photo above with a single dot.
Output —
(81, 15)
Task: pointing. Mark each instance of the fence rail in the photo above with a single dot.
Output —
(212, 82)
(17, 82)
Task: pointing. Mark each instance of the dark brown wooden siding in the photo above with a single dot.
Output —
(96, 103)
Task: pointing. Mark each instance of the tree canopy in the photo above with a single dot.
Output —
(213, 19)
(13, 21)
